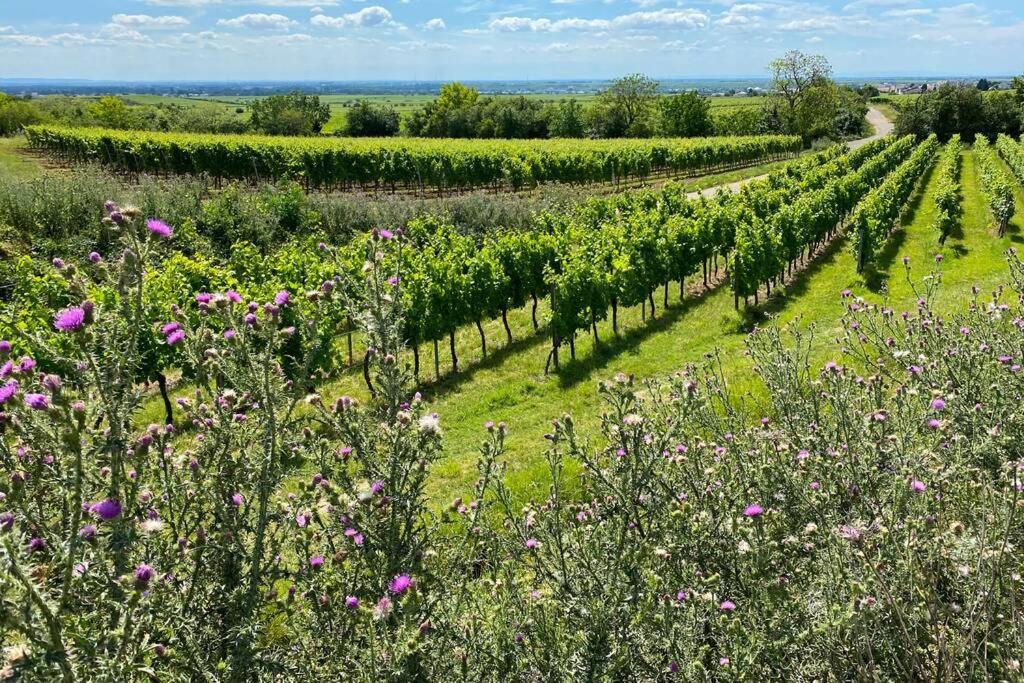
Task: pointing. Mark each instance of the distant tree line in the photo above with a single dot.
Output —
(965, 110)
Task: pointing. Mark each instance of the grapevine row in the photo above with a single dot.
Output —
(1013, 154)
(947, 189)
(876, 216)
(766, 245)
(995, 183)
(409, 163)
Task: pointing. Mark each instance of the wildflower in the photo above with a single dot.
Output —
(316, 562)
(400, 584)
(851, 533)
(754, 510)
(144, 574)
(385, 234)
(37, 544)
(933, 424)
(169, 328)
(229, 334)
(37, 401)
(938, 404)
(382, 608)
(237, 499)
(917, 486)
(175, 337)
(233, 296)
(95, 257)
(151, 526)
(106, 509)
(724, 661)
(532, 543)
(7, 391)
(352, 602)
(5, 346)
(88, 531)
(27, 364)
(727, 606)
(158, 228)
(70, 319)
(204, 298)
(282, 298)
(6, 521)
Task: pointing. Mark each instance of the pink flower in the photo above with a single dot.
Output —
(7, 391)
(727, 606)
(37, 401)
(106, 510)
(316, 562)
(159, 228)
(938, 404)
(175, 337)
(917, 486)
(531, 543)
(70, 319)
(754, 510)
(400, 584)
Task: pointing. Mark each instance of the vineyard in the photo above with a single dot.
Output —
(409, 164)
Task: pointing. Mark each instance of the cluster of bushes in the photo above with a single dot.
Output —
(862, 526)
(964, 110)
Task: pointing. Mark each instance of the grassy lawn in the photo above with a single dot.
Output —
(510, 384)
(15, 164)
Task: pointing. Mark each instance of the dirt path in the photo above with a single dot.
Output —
(882, 126)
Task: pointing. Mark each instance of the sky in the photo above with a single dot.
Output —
(491, 39)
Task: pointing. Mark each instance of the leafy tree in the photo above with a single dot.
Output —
(626, 108)
(983, 85)
(16, 113)
(291, 114)
(567, 120)
(366, 119)
(518, 117)
(686, 115)
(112, 112)
(850, 116)
(447, 116)
(803, 92)
(947, 111)
(867, 91)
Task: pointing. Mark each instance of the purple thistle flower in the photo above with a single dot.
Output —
(170, 327)
(37, 544)
(917, 486)
(385, 234)
(938, 404)
(88, 531)
(250, 319)
(106, 509)
(377, 486)
(400, 584)
(159, 228)
(95, 257)
(316, 561)
(204, 298)
(6, 521)
(37, 401)
(229, 334)
(531, 543)
(727, 606)
(175, 337)
(7, 391)
(282, 298)
(70, 319)
(753, 510)
(237, 499)
(27, 364)
(352, 602)
(5, 346)
(144, 574)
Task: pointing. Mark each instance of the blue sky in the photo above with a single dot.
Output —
(515, 39)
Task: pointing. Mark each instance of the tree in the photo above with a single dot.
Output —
(686, 115)
(867, 91)
(291, 114)
(627, 106)
(450, 115)
(566, 120)
(793, 77)
(983, 85)
(366, 119)
(112, 112)
(15, 114)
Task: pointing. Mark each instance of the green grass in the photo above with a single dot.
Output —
(510, 385)
(13, 163)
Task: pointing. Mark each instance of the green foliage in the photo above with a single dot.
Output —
(686, 115)
(15, 114)
(366, 119)
(995, 182)
(414, 163)
(960, 109)
(947, 191)
(567, 120)
(112, 112)
(292, 114)
(877, 215)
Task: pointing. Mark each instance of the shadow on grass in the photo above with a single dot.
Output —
(877, 273)
(575, 371)
(795, 288)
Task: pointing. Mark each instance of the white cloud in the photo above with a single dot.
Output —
(812, 24)
(368, 17)
(663, 18)
(7, 29)
(420, 45)
(912, 12)
(145, 21)
(23, 40)
(815, 39)
(259, 20)
(435, 25)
